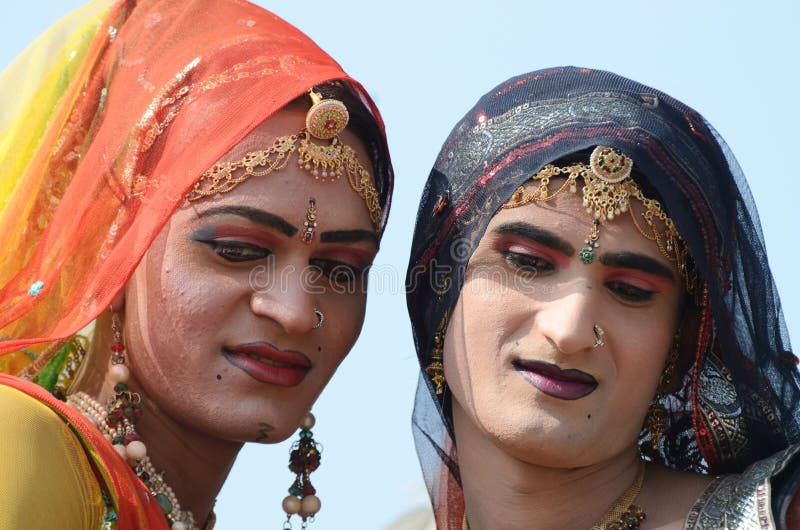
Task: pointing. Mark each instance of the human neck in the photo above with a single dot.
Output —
(500, 489)
(193, 463)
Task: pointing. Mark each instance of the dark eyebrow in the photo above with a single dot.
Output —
(349, 236)
(629, 260)
(257, 216)
(539, 235)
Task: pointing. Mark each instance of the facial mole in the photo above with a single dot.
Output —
(319, 348)
(219, 377)
(588, 416)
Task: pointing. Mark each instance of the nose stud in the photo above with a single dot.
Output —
(598, 336)
(320, 318)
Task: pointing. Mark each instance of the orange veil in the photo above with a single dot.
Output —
(107, 121)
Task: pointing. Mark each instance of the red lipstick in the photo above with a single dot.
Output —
(266, 363)
(551, 380)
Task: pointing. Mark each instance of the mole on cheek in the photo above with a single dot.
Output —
(319, 348)
(219, 377)
(588, 416)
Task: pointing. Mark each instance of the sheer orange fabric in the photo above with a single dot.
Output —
(148, 96)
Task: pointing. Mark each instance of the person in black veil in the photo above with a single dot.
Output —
(600, 338)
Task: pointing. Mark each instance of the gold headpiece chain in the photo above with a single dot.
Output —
(327, 162)
(607, 190)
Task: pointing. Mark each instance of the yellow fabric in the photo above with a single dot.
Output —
(46, 481)
(41, 74)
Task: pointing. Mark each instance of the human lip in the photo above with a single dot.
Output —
(266, 363)
(549, 379)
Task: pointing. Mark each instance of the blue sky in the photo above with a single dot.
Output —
(426, 63)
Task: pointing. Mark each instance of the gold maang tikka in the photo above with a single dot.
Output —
(325, 120)
(607, 191)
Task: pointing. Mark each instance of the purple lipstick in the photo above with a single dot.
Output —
(551, 380)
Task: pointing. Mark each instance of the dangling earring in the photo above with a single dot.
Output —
(304, 458)
(435, 369)
(125, 408)
(117, 423)
(657, 414)
(118, 371)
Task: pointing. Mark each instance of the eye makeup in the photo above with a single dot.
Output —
(637, 279)
(526, 249)
(254, 215)
(533, 234)
(239, 234)
(351, 256)
(639, 262)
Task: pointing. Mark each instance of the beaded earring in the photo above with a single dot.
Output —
(125, 408)
(118, 421)
(304, 458)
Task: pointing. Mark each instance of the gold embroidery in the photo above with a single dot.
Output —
(741, 501)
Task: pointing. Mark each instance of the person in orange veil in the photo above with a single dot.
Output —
(191, 194)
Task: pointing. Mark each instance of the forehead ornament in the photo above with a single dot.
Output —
(326, 118)
(610, 165)
(607, 192)
(310, 224)
(327, 162)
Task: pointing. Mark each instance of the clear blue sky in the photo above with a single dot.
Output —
(426, 63)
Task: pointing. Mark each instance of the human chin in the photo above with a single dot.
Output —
(271, 420)
(544, 439)
(530, 425)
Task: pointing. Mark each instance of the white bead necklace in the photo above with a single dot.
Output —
(127, 443)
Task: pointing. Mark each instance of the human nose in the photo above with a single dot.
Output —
(289, 302)
(569, 323)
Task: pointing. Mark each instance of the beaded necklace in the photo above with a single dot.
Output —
(128, 444)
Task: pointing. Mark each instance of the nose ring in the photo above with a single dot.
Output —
(598, 336)
(320, 318)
